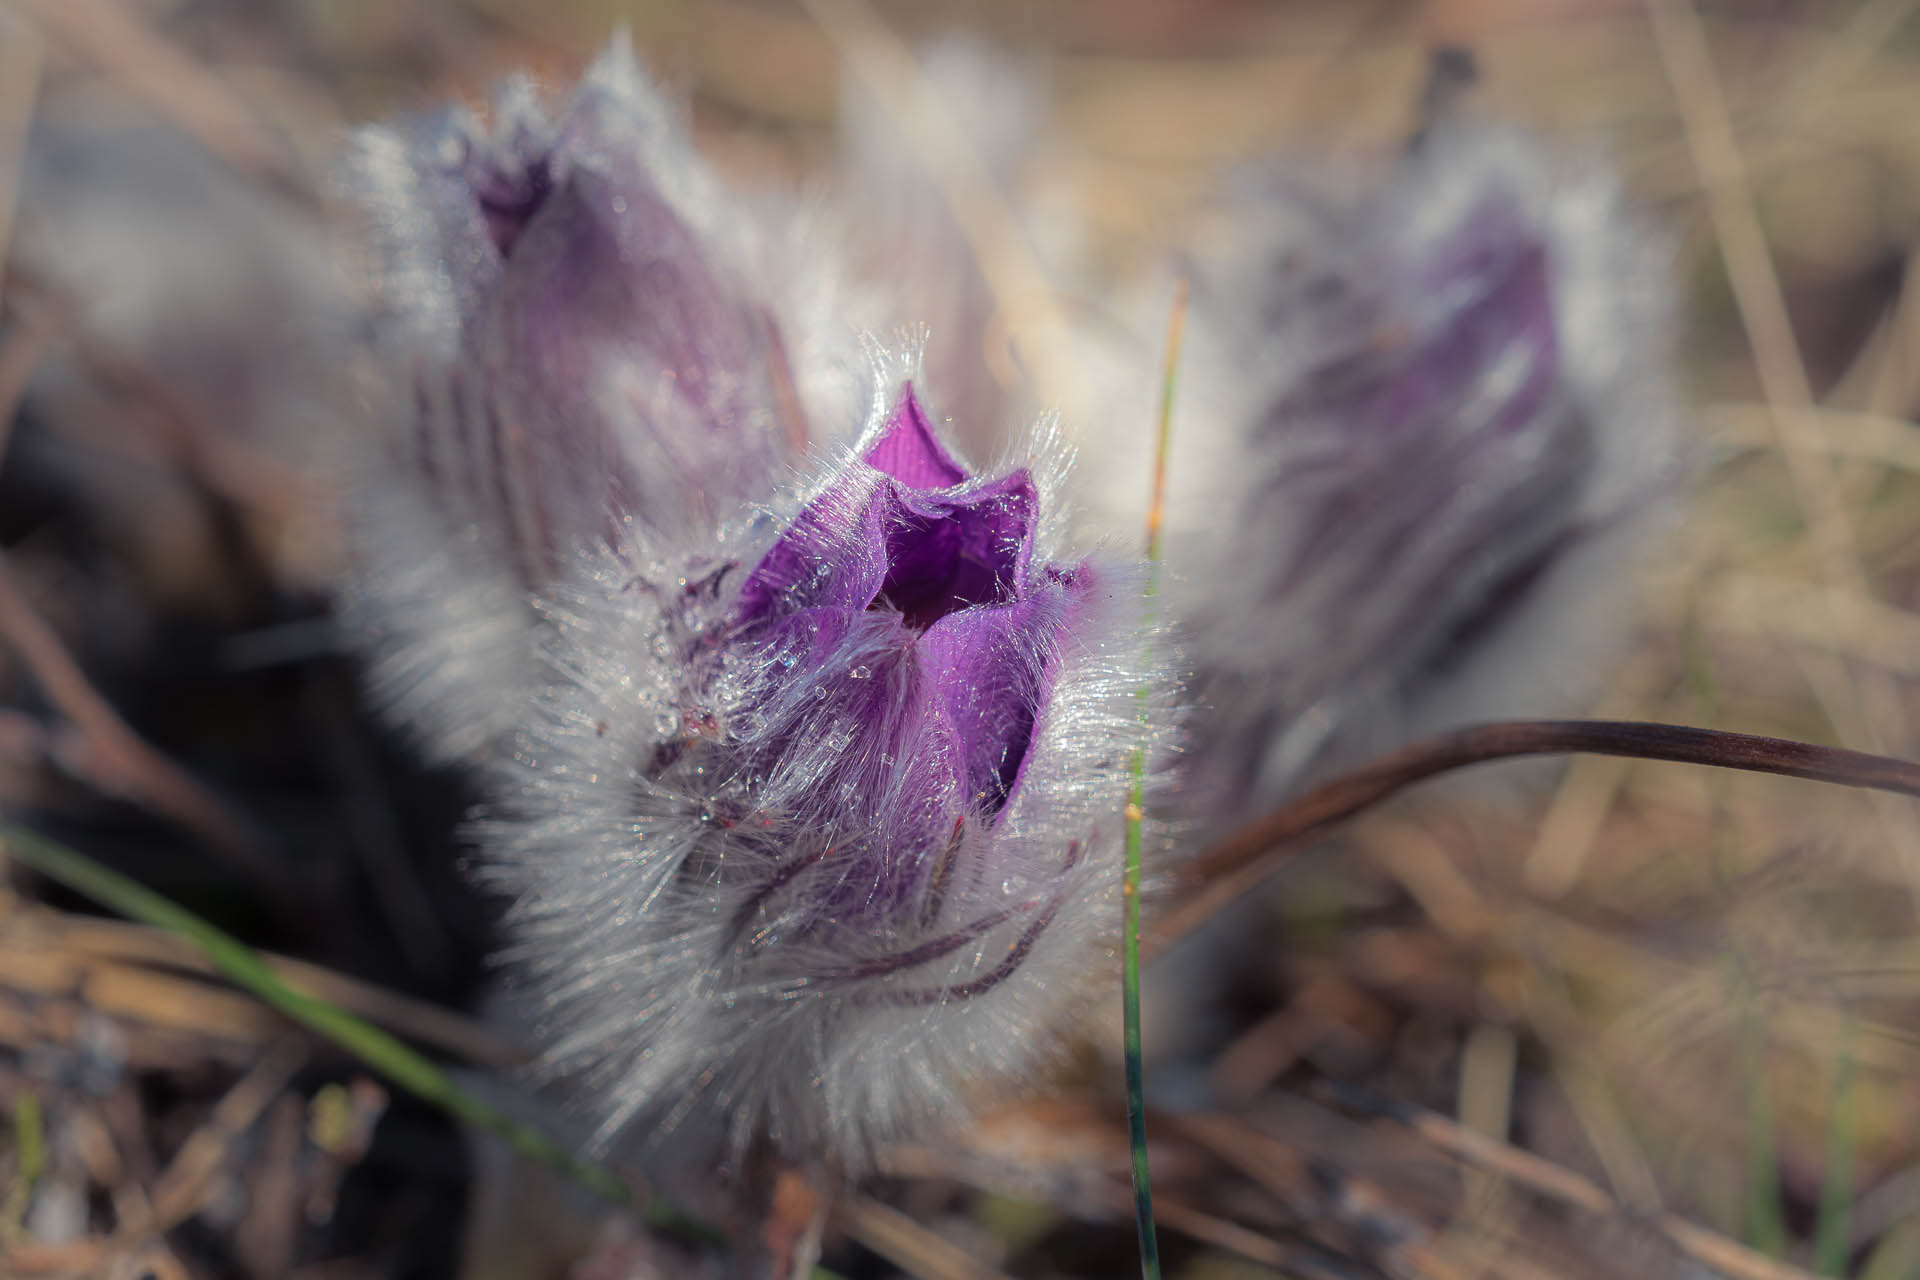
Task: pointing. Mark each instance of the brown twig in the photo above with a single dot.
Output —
(1220, 1233)
(906, 1244)
(124, 754)
(1761, 302)
(1096, 1188)
(1545, 1178)
(1844, 57)
(85, 938)
(1242, 859)
(1680, 39)
(183, 1187)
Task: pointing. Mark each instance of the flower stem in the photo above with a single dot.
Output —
(1169, 383)
(1245, 857)
(1136, 813)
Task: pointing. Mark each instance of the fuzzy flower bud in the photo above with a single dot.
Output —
(818, 834)
(1440, 405)
(809, 800)
(583, 330)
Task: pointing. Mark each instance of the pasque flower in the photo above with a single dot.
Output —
(1437, 408)
(804, 768)
(835, 849)
(583, 330)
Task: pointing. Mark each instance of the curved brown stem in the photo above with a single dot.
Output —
(1238, 862)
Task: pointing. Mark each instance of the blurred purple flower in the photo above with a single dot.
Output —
(831, 854)
(584, 331)
(809, 798)
(1447, 403)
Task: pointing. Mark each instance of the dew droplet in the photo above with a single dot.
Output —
(666, 724)
(859, 673)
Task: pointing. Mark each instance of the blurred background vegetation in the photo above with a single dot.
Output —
(1622, 1019)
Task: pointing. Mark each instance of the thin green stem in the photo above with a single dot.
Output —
(1130, 994)
(1832, 1236)
(1163, 442)
(1135, 817)
(399, 1063)
(1766, 1229)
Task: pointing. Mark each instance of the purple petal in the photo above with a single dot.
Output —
(834, 556)
(991, 668)
(618, 355)
(909, 451)
(954, 637)
(606, 357)
(893, 545)
(946, 557)
(1485, 367)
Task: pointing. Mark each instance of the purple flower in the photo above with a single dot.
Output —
(1446, 403)
(809, 799)
(931, 581)
(836, 850)
(584, 331)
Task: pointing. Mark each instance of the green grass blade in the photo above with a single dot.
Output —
(1135, 816)
(1896, 1257)
(396, 1061)
(29, 1137)
(1834, 1228)
(1130, 994)
(30, 1157)
(1766, 1227)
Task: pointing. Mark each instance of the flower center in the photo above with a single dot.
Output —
(940, 562)
(508, 201)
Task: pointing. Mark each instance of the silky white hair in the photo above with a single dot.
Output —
(686, 1026)
(664, 804)
(440, 600)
